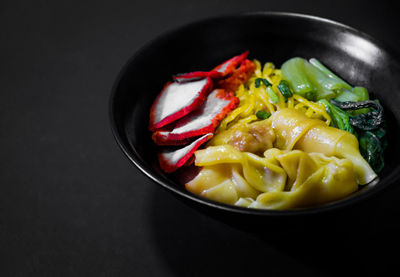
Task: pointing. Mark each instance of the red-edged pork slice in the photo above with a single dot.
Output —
(238, 77)
(192, 76)
(228, 67)
(201, 121)
(172, 160)
(177, 100)
(222, 70)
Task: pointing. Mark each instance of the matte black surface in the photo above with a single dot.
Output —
(72, 205)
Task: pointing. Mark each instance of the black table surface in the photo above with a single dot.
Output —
(72, 205)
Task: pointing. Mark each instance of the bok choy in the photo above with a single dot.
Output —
(368, 127)
(311, 79)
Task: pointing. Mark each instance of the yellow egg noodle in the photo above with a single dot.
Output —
(253, 99)
(293, 159)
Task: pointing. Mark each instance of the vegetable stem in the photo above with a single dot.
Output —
(340, 119)
(258, 81)
(367, 121)
(272, 95)
(324, 69)
(294, 72)
(262, 115)
(285, 90)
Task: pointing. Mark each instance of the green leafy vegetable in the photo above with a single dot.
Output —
(326, 87)
(329, 73)
(340, 118)
(285, 90)
(315, 81)
(262, 115)
(349, 107)
(367, 121)
(272, 95)
(270, 91)
(372, 148)
(258, 81)
(370, 129)
(362, 93)
(294, 72)
(311, 95)
(357, 94)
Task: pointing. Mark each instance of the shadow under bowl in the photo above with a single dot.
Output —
(275, 37)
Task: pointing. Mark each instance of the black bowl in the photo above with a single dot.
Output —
(275, 37)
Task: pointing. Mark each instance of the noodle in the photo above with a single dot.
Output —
(253, 99)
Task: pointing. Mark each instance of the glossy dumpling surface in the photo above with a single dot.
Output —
(294, 130)
(278, 180)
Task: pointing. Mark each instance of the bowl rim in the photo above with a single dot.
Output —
(136, 160)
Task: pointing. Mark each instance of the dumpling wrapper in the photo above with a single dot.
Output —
(261, 173)
(333, 180)
(253, 137)
(280, 179)
(294, 130)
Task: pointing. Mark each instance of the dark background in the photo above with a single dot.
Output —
(72, 205)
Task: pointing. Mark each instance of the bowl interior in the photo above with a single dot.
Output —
(274, 37)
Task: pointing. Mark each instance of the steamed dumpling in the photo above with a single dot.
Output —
(279, 180)
(253, 137)
(331, 179)
(294, 130)
(263, 174)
